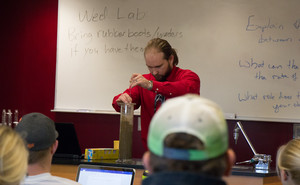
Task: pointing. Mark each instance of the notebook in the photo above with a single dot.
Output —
(68, 145)
(108, 175)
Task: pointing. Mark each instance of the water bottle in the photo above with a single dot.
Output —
(16, 117)
(9, 119)
(3, 117)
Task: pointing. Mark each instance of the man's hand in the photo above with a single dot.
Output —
(140, 80)
(125, 98)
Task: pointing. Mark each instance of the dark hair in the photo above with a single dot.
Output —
(162, 46)
(38, 156)
(213, 167)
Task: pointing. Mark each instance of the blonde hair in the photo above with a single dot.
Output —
(13, 157)
(288, 159)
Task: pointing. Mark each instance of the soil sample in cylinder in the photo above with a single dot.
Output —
(126, 129)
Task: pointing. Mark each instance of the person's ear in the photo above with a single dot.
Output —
(54, 147)
(146, 161)
(171, 60)
(230, 160)
(283, 175)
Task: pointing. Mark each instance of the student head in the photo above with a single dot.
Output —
(189, 133)
(288, 162)
(13, 157)
(160, 58)
(40, 135)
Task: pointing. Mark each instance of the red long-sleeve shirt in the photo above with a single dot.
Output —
(179, 82)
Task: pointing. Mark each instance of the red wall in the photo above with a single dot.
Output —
(27, 75)
(28, 54)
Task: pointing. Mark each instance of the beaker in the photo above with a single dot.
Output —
(126, 128)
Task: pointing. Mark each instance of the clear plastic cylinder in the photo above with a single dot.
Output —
(126, 128)
(9, 117)
(3, 117)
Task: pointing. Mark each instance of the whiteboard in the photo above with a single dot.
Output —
(246, 53)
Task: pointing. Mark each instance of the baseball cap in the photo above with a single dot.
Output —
(194, 115)
(38, 131)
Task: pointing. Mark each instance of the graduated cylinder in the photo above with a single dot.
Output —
(126, 129)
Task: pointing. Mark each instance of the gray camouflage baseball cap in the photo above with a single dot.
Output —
(38, 131)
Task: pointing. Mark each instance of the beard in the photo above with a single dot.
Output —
(163, 78)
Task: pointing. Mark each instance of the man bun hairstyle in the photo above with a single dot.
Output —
(162, 46)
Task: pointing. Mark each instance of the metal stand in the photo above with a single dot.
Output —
(260, 161)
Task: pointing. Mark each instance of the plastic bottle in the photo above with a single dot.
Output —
(16, 117)
(3, 117)
(9, 119)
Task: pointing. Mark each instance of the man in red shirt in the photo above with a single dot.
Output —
(164, 81)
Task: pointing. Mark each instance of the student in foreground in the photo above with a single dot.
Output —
(13, 157)
(288, 163)
(188, 144)
(41, 138)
